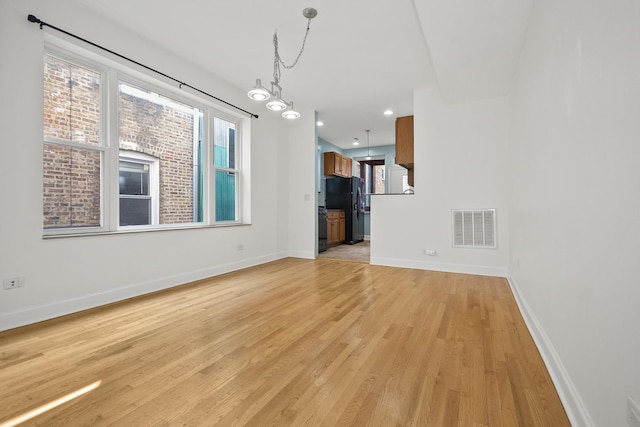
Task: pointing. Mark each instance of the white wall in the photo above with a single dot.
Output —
(303, 208)
(460, 162)
(575, 198)
(69, 274)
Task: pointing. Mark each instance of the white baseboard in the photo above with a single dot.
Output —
(302, 254)
(60, 308)
(440, 266)
(573, 404)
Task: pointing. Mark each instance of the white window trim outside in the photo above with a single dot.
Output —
(111, 73)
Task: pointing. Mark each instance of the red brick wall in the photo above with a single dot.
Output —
(71, 187)
(71, 191)
(71, 181)
(167, 134)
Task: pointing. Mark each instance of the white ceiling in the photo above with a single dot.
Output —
(359, 59)
(474, 45)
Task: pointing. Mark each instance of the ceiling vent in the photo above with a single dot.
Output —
(474, 228)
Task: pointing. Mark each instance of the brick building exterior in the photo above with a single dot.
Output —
(157, 127)
(71, 179)
(165, 133)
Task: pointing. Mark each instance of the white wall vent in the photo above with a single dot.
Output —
(474, 228)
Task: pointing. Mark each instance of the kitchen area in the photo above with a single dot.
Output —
(341, 216)
(347, 179)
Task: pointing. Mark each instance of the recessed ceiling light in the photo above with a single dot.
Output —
(388, 112)
(319, 123)
(356, 143)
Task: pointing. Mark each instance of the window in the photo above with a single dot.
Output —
(74, 150)
(169, 132)
(226, 174)
(138, 187)
(151, 171)
(372, 171)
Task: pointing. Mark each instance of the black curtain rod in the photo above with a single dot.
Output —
(32, 18)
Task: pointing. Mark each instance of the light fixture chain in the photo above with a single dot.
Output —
(277, 59)
(276, 63)
(260, 93)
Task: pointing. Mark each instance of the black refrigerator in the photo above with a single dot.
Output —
(347, 194)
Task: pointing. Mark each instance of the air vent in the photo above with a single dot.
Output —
(474, 228)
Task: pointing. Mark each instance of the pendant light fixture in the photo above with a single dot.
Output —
(260, 93)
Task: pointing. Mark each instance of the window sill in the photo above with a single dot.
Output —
(62, 235)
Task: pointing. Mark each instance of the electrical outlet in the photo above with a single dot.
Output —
(429, 252)
(633, 413)
(15, 282)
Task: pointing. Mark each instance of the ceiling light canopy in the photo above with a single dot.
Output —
(260, 93)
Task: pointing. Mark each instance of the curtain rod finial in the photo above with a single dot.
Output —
(34, 19)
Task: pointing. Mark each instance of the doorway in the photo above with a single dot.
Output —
(360, 252)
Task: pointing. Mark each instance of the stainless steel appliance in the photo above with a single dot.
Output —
(347, 194)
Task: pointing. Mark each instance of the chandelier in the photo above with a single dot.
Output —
(260, 93)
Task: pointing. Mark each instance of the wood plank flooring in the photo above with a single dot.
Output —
(292, 342)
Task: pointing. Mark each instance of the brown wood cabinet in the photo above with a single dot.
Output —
(337, 164)
(404, 144)
(342, 235)
(346, 167)
(335, 227)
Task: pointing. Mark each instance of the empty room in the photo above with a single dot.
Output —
(408, 213)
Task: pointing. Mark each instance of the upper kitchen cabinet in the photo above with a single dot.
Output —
(404, 144)
(337, 164)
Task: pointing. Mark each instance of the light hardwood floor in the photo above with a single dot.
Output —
(292, 342)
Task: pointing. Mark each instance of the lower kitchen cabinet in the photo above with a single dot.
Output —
(335, 227)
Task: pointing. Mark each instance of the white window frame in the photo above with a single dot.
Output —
(111, 73)
(236, 170)
(154, 181)
(102, 147)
